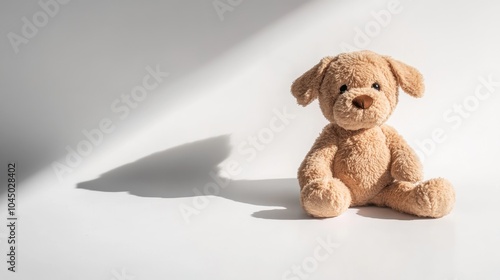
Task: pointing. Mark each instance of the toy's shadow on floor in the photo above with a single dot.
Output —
(177, 171)
(186, 170)
(384, 213)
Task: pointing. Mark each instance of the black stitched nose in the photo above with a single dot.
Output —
(362, 102)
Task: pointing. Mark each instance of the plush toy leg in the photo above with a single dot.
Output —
(325, 198)
(433, 198)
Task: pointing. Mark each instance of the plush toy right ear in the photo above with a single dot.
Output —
(306, 87)
(408, 78)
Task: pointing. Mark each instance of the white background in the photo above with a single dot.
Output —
(117, 214)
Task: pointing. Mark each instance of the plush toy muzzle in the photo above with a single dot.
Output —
(361, 108)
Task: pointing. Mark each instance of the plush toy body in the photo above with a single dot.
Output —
(357, 159)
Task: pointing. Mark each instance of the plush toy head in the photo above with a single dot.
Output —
(359, 89)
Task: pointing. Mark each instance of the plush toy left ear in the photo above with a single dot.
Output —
(408, 78)
(306, 87)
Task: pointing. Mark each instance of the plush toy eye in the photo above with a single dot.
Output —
(376, 86)
(343, 89)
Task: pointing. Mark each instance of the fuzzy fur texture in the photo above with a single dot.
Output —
(357, 159)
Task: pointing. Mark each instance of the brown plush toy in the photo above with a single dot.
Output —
(358, 160)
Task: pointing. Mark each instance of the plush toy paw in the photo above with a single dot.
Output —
(434, 198)
(325, 198)
(407, 170)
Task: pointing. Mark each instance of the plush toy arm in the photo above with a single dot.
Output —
(405, 164)
(317, 164)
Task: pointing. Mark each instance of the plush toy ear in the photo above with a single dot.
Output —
(306, 87)
(408, 78)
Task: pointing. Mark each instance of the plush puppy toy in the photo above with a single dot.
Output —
(357, 159)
